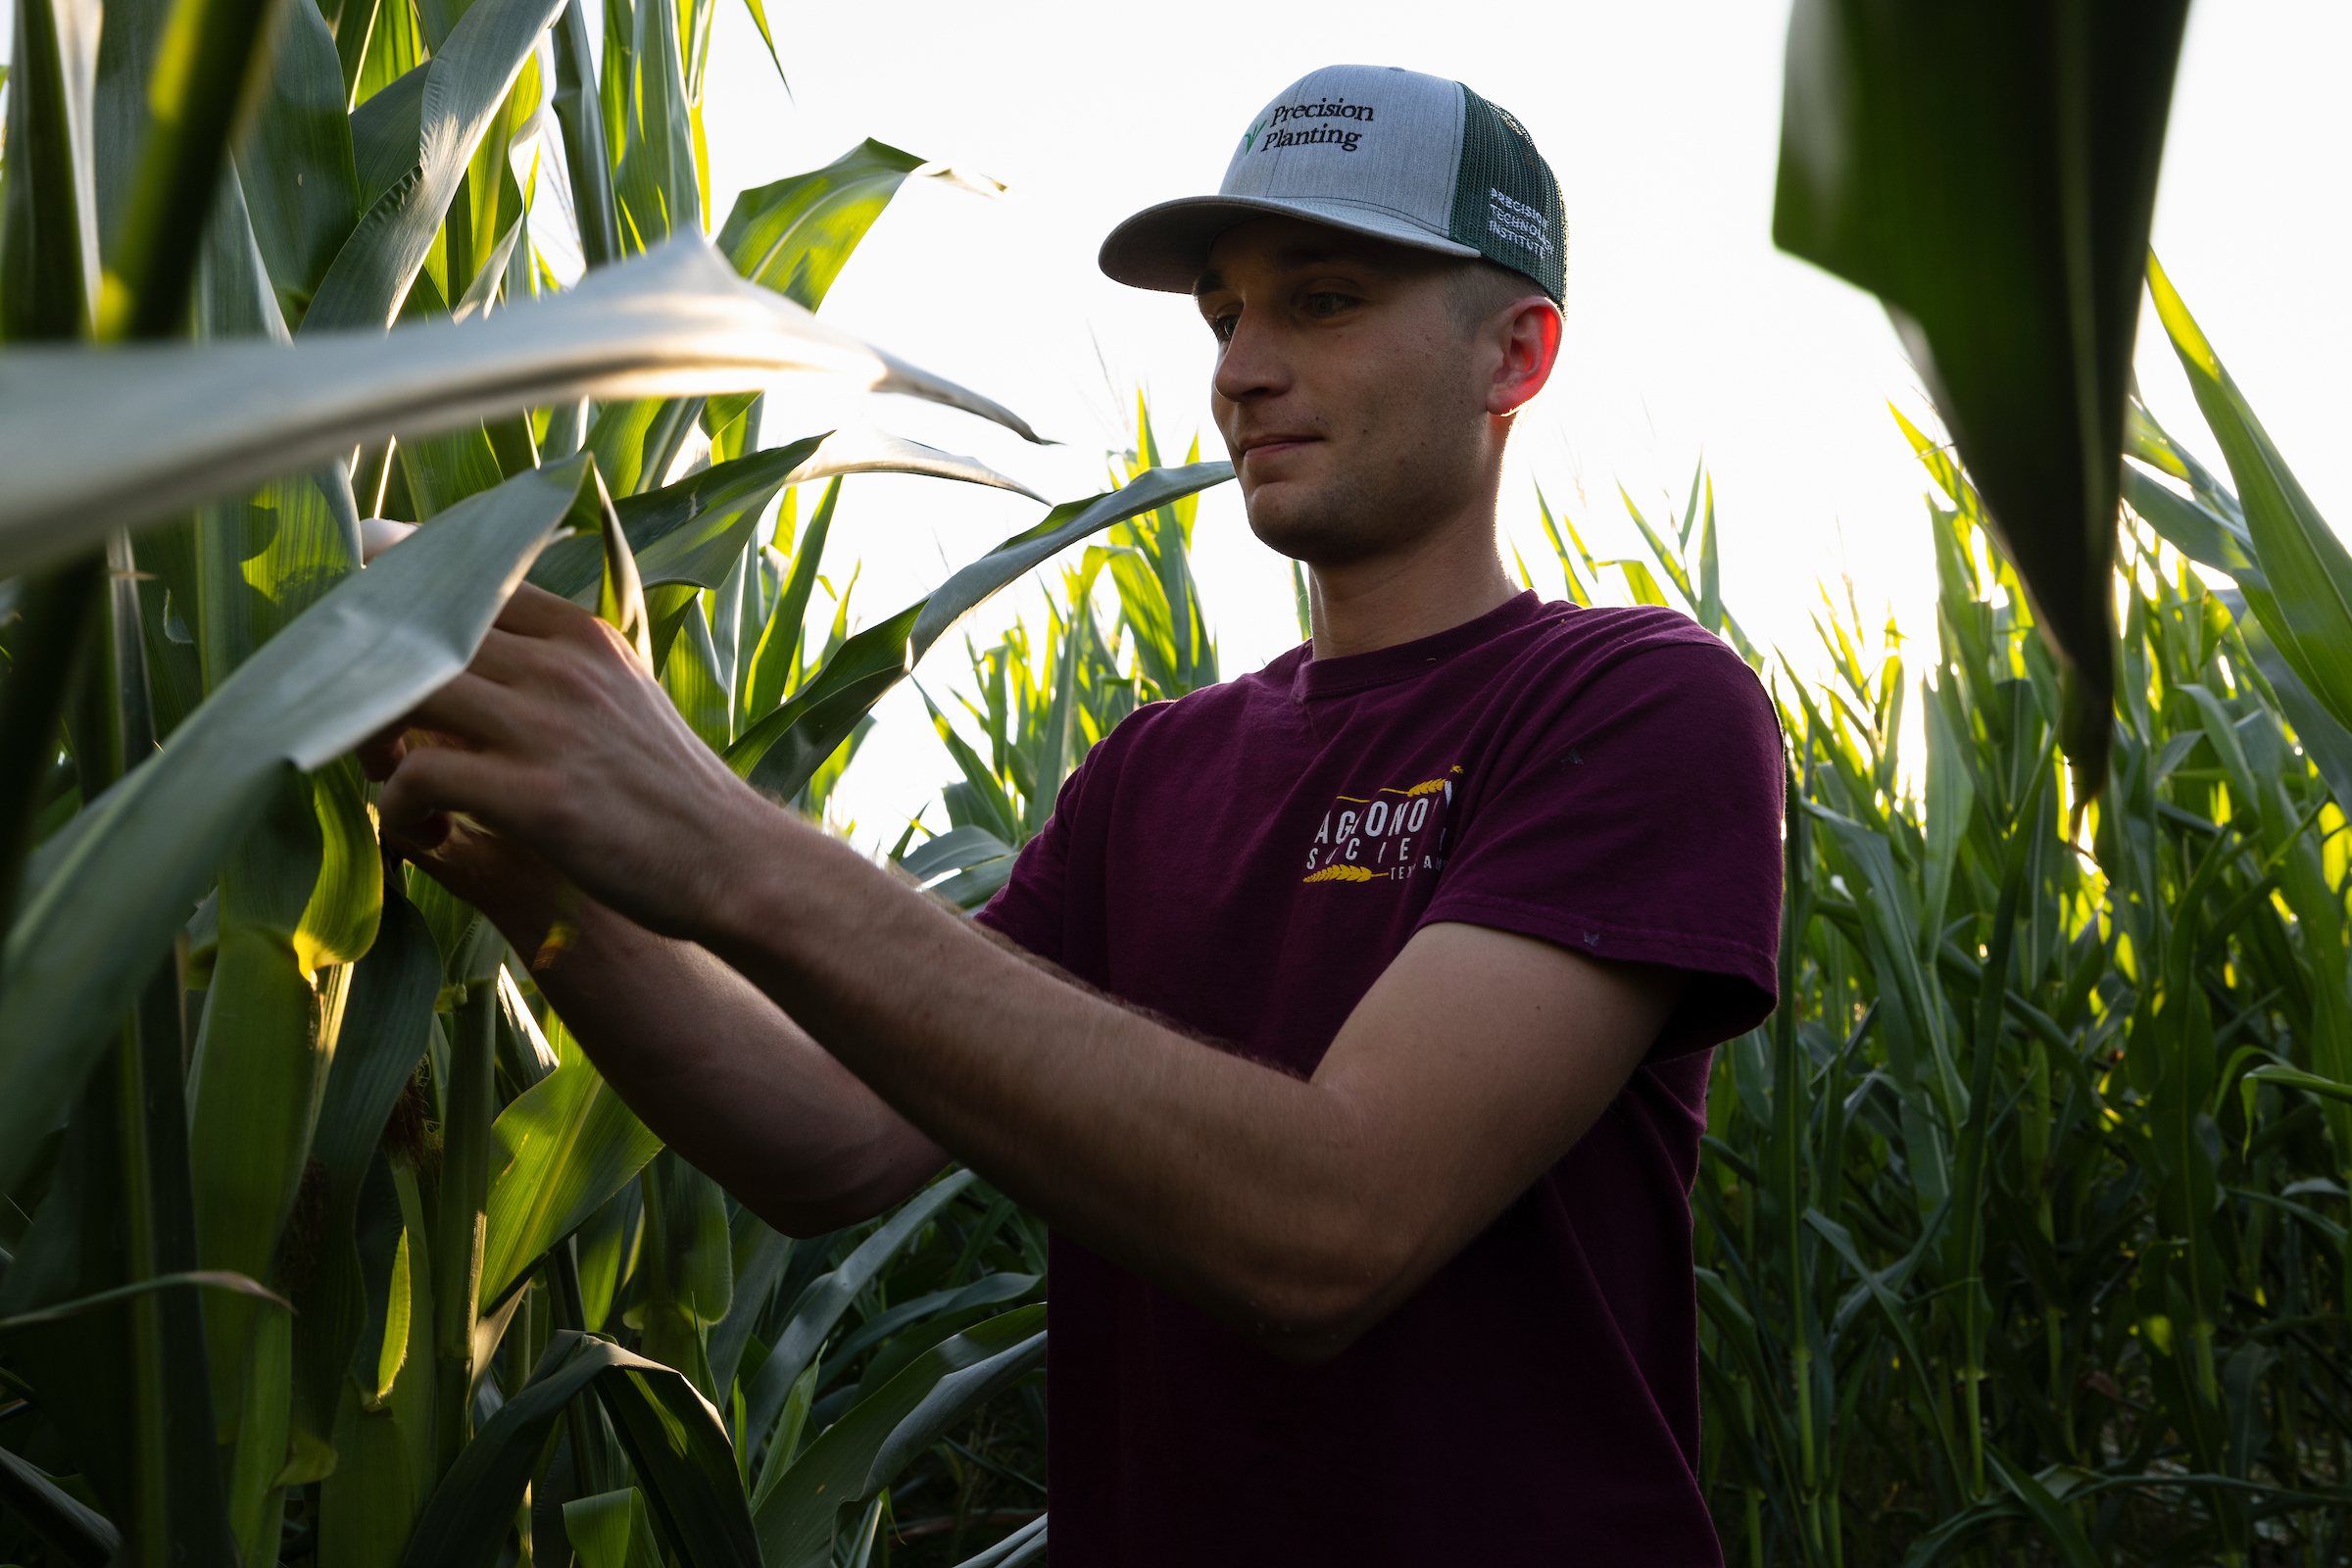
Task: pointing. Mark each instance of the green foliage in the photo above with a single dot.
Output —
(2009, 254)
(2017, 1240)
(245, 1069)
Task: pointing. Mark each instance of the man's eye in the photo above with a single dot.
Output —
(1220, 326)
(1323, 302)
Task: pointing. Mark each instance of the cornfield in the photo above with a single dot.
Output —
(323, 1241)
(2021, 1225)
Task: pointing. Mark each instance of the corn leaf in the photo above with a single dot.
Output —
(458, 94)
(672, 1437)
(568, 1144)
(49, 202)
(297, 166)
(860, 1453)
(2304, 566)
(695, 531)
(783, 751)
(1989, 171)
(216, 417)
(113, 889)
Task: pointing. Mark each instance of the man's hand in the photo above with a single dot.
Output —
(566, 747)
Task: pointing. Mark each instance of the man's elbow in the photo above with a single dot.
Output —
(1320, 1302)
(804, 1214)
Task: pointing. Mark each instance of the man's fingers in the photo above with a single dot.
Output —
(533, 611)
(379, 534)
(431, 781)
(380, 753)
(470, 708)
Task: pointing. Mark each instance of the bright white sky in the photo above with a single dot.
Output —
(1688, 333)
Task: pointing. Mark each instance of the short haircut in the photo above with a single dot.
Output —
(1479, 288)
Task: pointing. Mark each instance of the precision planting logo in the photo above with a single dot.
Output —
(1271, 132)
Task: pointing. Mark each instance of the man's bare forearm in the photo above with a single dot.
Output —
(719, 1073)
(1120, 1131)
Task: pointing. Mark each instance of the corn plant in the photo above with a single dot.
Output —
(1039, 708)
(322, 1242)
(1989, 172)
(2022, 1223)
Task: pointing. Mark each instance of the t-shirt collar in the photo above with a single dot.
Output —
(1312, 677)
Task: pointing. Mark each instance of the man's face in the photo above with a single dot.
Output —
(1351, 395)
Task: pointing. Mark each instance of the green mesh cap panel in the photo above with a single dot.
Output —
(1505, 202)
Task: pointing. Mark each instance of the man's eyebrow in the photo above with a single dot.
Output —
(1298, 258)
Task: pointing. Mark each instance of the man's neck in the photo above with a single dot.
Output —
(1448, 578)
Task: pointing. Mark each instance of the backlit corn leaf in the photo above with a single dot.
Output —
(1989, 171)
(110, 892)
(457, 95)
(568, 1143)
(48, 205)
(821, 1304)
(694, 530)
(783, 751)
(877, 1438)
(672, 1437)
(2304, 566)
(216, 417)
(81, 1535)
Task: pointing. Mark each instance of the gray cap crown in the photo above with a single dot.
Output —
(1417, 160)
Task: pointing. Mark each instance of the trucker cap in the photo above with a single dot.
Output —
(1417, 160)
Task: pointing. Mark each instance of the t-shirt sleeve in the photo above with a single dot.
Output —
(1032, 905)
(1643, 825)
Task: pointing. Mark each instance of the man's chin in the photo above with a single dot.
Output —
(1301, 528)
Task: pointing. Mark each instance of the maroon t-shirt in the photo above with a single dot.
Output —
(1247, 860)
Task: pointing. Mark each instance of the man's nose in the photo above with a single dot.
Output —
(1253, 363)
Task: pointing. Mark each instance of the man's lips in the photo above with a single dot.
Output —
(1266, 446)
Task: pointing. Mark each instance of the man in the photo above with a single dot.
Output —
(1359, 1064)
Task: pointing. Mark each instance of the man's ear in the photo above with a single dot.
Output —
(1530, 347)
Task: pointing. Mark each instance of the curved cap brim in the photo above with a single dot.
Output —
(1165, 246)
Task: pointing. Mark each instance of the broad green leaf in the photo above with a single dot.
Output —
(217, 417)
(569, 1145)
(464, 84)
(209, 57)
(694, 531)
(261, 1056)
(868, 1447)
(80, 1534)
(49, 202)
(1026, 1545)
(300, 181)
(781, 751)
(611, 1529)
(386, 1018)
(695, 687)
(821, 1304)
(113, 890)
(2305, 566)
(686, 1267)
(580, 112)
(795, 235)
(390, 46)
(654, 176)
(2007, 246)
(672, 1437)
